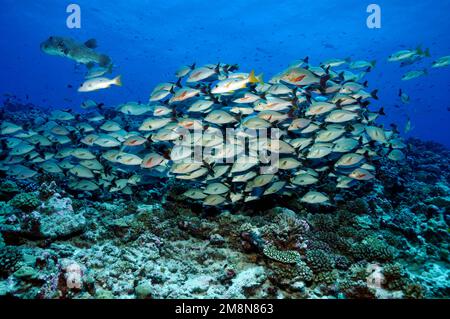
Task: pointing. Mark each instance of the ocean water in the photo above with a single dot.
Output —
(149, 40)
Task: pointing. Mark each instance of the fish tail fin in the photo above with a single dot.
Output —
(294, 102)
(425, 71)
(291, 114)
(294, 92)
(348, 59)
(365, 104)
(427, 52)
(350, 128)
(374, 94)
(327, 69)
(308, 96)
(118, 80)
(178, 83)
(260, 78)
(217, 68)
(323, 81)
(252, 78)
(373, 62)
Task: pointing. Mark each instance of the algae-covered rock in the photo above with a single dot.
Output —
(54, 219)
(246, 281)
(149, 209)
(103, 294)
(59, 219)
(62, 226)
(198, 284)
(5, 209)
(25, 272)
(144, 290)
(440, 201)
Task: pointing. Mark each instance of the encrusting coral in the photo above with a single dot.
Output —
(26, 202)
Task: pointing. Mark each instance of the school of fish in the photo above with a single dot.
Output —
(326, 132)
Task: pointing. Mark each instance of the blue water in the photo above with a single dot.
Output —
(149, 40)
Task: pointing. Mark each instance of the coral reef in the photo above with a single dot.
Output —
(389, 240)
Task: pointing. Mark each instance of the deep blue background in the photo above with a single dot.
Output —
(149, 40)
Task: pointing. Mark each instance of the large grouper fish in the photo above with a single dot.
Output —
(82, 53)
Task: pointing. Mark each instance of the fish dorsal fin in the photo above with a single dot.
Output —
(91, 43)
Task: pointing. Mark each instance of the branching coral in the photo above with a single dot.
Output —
(319, 261)
(288, 257)
(373, 249)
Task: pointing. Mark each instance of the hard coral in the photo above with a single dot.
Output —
(357, 290)
(46, 190)
(358, 206)
(396, 278)
(26, 202)
(373, 249)
(9, 258)
(319, 261)
(8, 187)
(288, 257)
